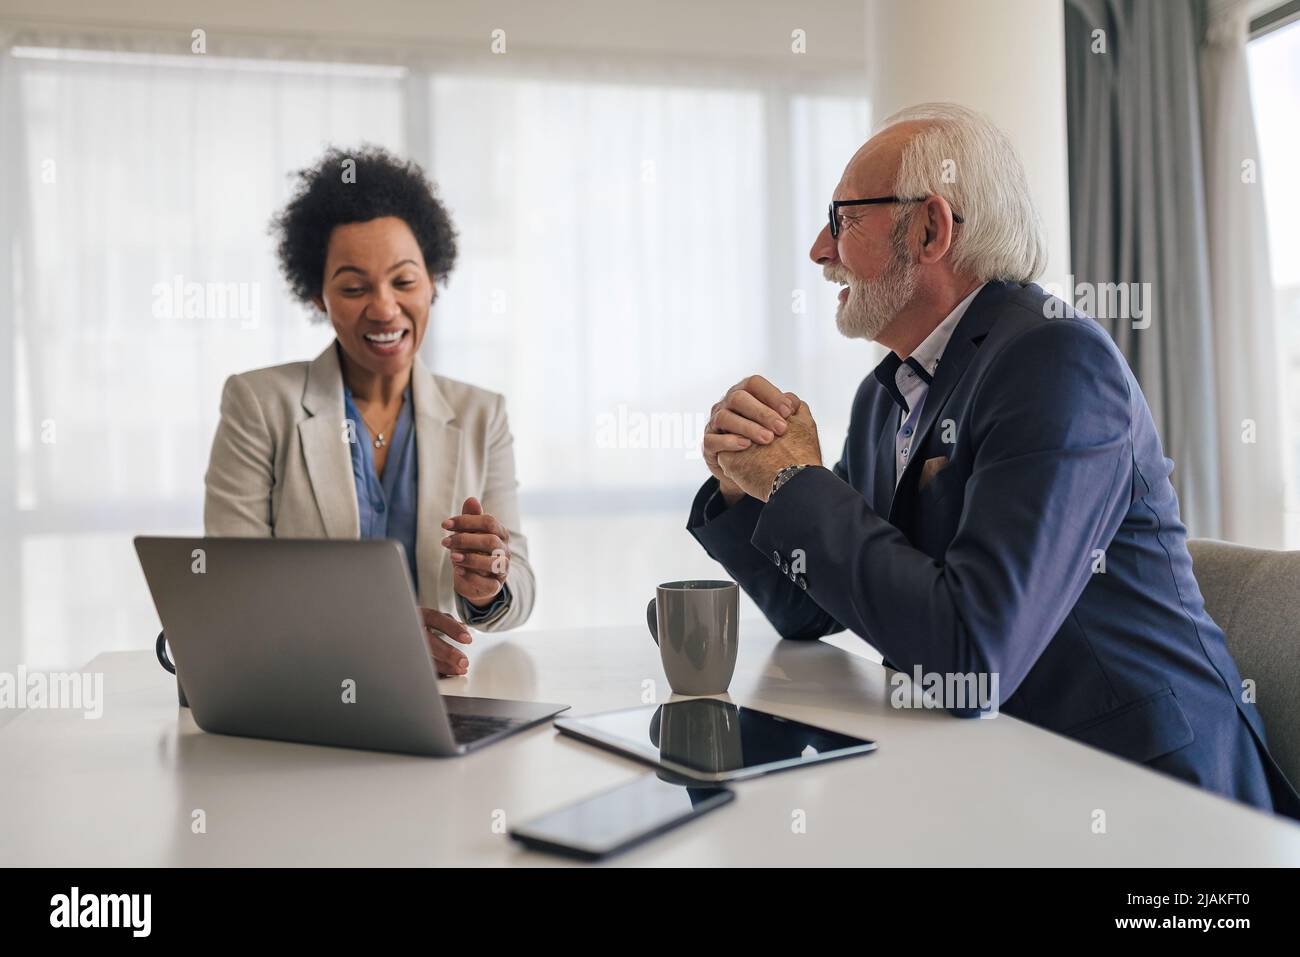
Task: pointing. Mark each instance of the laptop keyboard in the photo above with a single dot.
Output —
(470, 727)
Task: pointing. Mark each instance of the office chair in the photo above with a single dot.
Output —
(1253, 594)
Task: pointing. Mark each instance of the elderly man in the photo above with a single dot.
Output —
(1002, 506)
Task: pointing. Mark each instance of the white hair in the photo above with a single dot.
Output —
(961, 156)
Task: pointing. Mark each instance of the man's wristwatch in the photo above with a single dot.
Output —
(783, 476)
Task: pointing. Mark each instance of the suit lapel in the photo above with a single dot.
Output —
(961, 348)
(326, 449)
(882, 491)
(885, 429)
(437, 447)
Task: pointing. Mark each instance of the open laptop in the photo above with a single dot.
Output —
(313, 640)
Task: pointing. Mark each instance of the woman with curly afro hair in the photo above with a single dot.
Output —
(364, 441)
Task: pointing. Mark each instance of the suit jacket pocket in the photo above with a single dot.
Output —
(941, 480)
(929, 469)
(1141, 730)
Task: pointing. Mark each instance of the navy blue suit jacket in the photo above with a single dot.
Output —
(1052, 454)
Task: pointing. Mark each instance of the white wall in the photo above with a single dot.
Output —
(1005, 58)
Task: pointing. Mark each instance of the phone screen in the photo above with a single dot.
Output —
(617, 819)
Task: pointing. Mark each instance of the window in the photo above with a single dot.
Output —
(628, 249)
(1275, 89)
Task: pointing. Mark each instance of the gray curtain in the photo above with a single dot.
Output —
(1137, 215)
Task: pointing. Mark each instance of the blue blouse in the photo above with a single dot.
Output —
(389, 507)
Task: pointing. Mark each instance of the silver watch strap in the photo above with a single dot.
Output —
(783, 476)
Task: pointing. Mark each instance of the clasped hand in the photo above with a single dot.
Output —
(754, 431)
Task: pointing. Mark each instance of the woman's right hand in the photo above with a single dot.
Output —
(449, 660)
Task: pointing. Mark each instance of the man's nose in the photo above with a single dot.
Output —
(824, 251)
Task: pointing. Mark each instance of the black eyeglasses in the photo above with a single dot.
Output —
(877, 201)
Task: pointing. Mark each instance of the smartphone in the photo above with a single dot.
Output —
(614, 820)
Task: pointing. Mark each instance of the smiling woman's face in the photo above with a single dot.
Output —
(377, 293)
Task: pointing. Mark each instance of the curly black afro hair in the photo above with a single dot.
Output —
(383, 186)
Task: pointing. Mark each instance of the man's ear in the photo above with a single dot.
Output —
(936, 219)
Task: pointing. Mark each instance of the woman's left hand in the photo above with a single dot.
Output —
(480, 553)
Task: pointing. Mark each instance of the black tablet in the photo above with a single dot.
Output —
(706, 739)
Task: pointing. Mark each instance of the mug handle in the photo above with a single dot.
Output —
(652, 619)
(160, 649)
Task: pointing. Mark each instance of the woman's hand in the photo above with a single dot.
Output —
(448, 659)
(480, 555)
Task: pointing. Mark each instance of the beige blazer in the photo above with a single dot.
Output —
(281, 466)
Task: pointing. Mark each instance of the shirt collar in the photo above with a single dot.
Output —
(925, 357)
(932, 346)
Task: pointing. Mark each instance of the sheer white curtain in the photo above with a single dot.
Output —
(1247, 366)
(629, 248)
(133, 176)
(628, 251)
(1274, 61)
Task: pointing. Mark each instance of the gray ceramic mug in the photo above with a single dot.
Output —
(694, 625)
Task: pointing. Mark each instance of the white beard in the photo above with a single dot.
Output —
(872, 304)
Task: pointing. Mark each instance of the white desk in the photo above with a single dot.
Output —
(939, 791)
